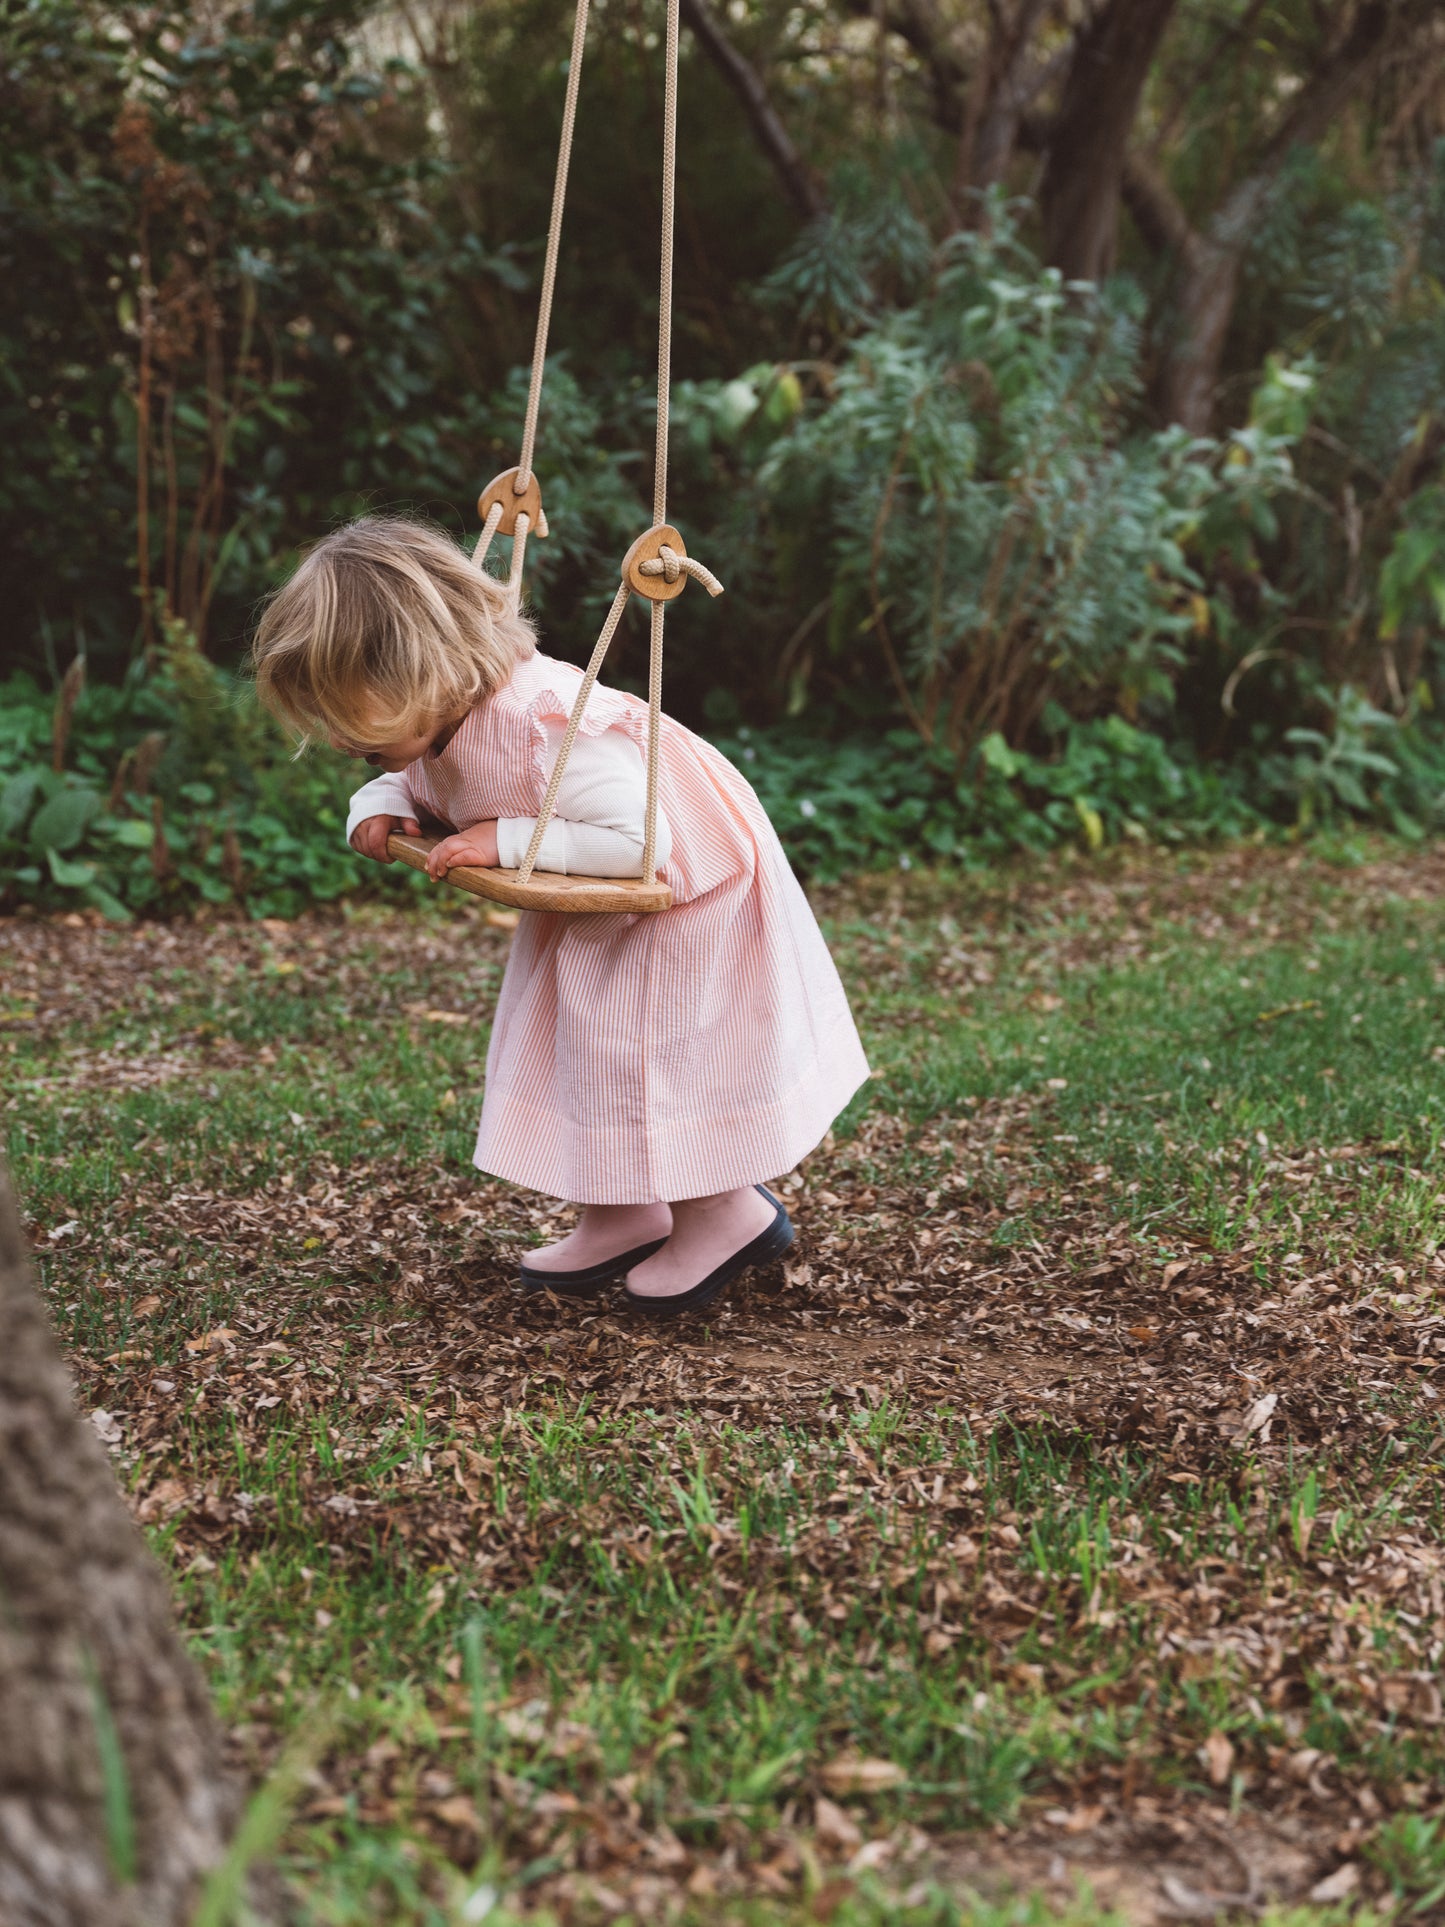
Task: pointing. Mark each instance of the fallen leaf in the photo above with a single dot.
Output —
(459, 1811)
(1257, 1418)
(165, 1498)
(833, 1826)
(875, 1853)
(862, 1776)
(222, 1339)
(1187, 1902)
(107, 1426)
(1217, 1756)
(1337, 1885)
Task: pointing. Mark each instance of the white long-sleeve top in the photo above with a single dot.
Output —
(598, 830)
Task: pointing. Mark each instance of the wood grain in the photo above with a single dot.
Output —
(544, 890)
(648, 548)
(502, 488)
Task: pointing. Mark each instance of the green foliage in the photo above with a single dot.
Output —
(1409, 1850)
(255, 277)
(871, 803)
(177, 792)
(223, 222)
(966, 499)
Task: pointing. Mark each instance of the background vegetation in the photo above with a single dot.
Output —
(1058, 385)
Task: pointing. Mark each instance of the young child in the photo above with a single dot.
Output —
(651, 1068)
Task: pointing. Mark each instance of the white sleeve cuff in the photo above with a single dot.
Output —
(514, 833)
(385, 795)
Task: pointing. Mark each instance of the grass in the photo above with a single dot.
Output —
(980, 1519)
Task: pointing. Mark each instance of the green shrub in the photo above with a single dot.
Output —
(174, 791)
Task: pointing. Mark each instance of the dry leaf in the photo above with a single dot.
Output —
(833, 1826)
(876, 1853)
(1257, 1418)
(862, 1776)
(1217, 1756)
(459, 1811)
(222, 1339)
(1338, 1885)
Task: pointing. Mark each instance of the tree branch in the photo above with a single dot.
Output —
(792, 170)
(1158, 213)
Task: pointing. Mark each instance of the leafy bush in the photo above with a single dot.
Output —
(870, 803)
(967, 507)
(173, 790)
(167, 792)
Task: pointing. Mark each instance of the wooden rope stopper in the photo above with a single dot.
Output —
(502, 491)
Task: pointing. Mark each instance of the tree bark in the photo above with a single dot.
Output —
(113, 1799)
(1083, 174)
(1008, 79)
(794, 174)
(1210, 261)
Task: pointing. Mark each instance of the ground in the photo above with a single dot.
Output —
(1059, 1530)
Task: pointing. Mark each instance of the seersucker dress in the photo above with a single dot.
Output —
(638, 1058)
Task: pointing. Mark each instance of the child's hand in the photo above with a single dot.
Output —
(369, 838)
(476, 845)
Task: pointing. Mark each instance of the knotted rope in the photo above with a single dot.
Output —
(668, 564)
(544, 311)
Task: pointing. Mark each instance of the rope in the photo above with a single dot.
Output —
(554, 242)
(519, 551)
(669, 564)
(664, 298)
(654, 740)
(489, 529)
(574, 722)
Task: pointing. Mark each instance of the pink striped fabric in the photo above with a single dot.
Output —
(652, 1057)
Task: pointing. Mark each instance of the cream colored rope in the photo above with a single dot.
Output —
(574, 723)
(544, 313)
(669, 564)
(554, 242)
(519, 555)
(489, 529)
(659, 470)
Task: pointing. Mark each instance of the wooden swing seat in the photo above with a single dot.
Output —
(544, 890)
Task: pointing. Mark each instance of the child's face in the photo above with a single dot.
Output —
(397, 753)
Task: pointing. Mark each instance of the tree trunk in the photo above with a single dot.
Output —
(1006, 82)
(1211, 260)
(794, 175)
(1208, 286)
(1079, 194)
(113, 1800)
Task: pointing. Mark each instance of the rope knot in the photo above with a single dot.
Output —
(668, 564)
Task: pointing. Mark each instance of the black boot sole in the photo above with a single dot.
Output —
(594, 1278)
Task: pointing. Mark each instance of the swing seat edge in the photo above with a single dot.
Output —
(543, 890)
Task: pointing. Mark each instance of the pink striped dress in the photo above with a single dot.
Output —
(639, 1058)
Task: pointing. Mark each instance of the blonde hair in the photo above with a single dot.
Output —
(386, 627)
